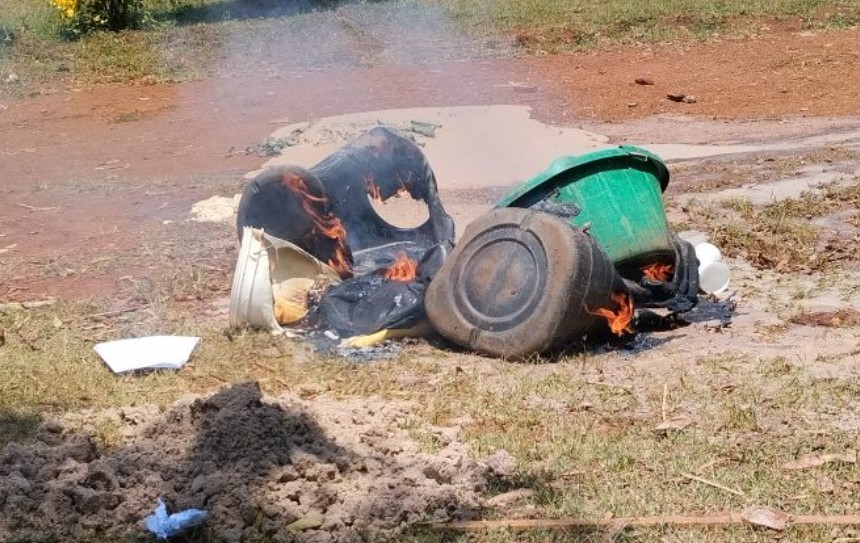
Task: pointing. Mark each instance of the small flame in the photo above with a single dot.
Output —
(658, 272)
(620, 320)
(372, 188)
(374, 192)
(404, 269)
(328, 225)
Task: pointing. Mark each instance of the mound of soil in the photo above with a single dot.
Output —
(344, 469)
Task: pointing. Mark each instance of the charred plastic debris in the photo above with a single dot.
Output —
(568, 256)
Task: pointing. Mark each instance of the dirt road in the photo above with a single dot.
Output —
(96, 183)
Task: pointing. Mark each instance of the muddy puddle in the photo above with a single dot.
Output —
(498, 146)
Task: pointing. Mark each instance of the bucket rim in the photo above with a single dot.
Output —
(566, 164)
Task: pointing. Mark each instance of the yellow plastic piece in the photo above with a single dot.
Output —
(288, 312)
(377, 338)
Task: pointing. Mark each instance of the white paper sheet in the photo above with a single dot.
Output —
(154, 352)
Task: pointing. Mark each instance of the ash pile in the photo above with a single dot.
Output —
(566, 257)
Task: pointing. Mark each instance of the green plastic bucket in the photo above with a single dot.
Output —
(616, 195)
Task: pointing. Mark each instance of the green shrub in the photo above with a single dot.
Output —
(83, 16)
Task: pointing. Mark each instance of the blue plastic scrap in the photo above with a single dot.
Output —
(164, 526)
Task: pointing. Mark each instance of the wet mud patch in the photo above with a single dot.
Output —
(321, 470)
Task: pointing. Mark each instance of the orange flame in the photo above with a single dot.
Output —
(658, 272)
(328, 225)
(372, 188)
(374, 192)
(620, 320)
(404, 269)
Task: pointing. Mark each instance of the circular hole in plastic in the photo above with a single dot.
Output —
(401, 211)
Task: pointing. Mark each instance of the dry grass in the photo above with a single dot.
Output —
(781, 235)
(190, 39)
(560, 25)
(721, 173)
(581, 429)
(830, 319)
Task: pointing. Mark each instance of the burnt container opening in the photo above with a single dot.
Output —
(330, 211)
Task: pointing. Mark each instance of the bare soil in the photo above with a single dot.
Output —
(90, 177)
(258, 465)
(95, 204)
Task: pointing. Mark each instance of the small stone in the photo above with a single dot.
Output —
(644, 81)
(676, 97)
(12, 78)
(310, 522)
(632, 104)
(690, 99)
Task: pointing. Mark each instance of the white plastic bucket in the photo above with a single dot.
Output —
(251, 298)
(715, 278)
(714, 274)
(271, 271)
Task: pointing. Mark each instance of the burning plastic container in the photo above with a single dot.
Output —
(522, 282)
(616, 194)
(376, 273)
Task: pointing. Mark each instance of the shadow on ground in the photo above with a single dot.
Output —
(17, 426)
(256, 466)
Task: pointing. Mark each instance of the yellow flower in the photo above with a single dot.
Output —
(68, 8)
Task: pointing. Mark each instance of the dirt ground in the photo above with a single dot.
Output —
(95, 205)
(89, 174)
(235, 453)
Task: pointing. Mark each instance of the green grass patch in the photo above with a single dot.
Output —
(556, 25)
(187, 39)
(180, 40)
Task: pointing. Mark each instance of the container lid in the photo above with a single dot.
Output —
(566, 164)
